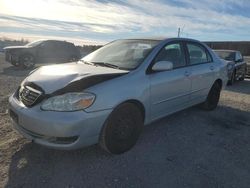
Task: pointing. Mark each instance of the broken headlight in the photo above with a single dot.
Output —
(69, 102)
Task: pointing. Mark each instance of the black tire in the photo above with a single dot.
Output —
(232, 79)
(212, 98)
(242, 78)
(27, 61)
(15, 64)
(122, 129)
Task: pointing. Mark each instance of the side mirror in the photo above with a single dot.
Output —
(162, 66)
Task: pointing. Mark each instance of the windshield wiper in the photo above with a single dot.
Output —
(106, 65)
(86, 62)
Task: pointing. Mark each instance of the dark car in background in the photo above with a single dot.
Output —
(41, 52)
(247, 59)
(237, 67)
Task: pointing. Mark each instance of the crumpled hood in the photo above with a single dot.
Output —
(55, 77)
(15, 47)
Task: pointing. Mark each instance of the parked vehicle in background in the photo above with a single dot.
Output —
(111, 93)
(41, 52)
(237, 67)
(247, 59)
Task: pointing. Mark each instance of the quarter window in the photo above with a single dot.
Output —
(197, 54)
(173, 53)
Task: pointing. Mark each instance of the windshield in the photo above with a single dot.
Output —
(123, 54)
(35, 43)
(227, 55)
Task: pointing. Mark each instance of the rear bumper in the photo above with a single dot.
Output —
(59, 130)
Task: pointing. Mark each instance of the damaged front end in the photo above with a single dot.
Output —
(42, 85)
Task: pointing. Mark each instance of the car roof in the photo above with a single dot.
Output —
(162, 39)
(221, 50)
(52, 40)
(58, 41)
(146, 38)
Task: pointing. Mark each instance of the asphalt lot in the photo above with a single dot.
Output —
(191, 148)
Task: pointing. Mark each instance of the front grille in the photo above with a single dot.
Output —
(29, 95)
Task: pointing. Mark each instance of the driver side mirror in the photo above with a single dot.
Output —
(162, 66)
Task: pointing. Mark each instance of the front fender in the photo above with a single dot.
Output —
(109, 94)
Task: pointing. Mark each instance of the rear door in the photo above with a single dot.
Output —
(170, 89)
(47, 52)
(61, 52)
(203, 71)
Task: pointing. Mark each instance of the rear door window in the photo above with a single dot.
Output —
(197, 54)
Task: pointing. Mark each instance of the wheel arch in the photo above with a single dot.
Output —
(219, 81)
(138, 104)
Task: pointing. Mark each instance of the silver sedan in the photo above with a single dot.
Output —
(109, 95)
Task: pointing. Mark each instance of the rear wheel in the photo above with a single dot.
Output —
(122, 129)
(212, 98)
(232, 79)
(27, 61)
(242, 78)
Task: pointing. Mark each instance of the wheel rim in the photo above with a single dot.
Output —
(28, 61)
(123, 129)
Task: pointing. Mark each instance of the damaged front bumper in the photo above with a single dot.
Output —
(59, 130)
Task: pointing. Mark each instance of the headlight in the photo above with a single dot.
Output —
(69, 102)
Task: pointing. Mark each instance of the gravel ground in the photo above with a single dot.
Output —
(191, 148)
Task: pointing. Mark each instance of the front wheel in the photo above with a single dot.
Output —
(212, 98)
(122, 129)
(27, 61)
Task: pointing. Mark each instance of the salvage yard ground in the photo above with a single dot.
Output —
(191, 148)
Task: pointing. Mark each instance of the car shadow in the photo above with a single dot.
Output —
(240, 87)
(200, 147)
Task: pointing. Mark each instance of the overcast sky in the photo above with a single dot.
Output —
(102, 21)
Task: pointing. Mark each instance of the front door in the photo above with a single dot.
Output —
(170, 89)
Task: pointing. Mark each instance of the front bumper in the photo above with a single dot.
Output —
(59, 130)
(12, 58)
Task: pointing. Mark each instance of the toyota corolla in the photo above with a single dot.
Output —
(109, 95)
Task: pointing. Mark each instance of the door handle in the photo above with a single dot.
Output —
(187, 73)
(211, 67)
